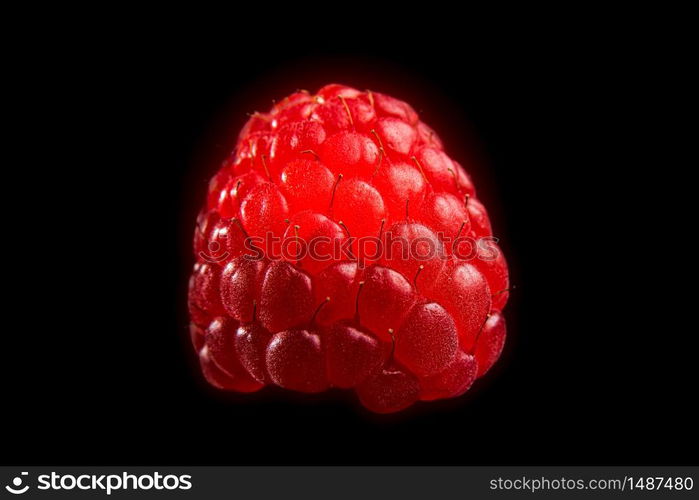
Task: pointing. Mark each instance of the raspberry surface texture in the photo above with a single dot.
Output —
(340, 247)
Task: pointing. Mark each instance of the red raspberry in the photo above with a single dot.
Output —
(341, 247)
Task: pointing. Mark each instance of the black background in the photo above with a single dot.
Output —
(123, 131)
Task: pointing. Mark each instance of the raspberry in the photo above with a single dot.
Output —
(341, 247)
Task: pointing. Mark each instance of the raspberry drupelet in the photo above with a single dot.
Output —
(341, 247)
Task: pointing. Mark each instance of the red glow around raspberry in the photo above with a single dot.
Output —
(340, 246)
